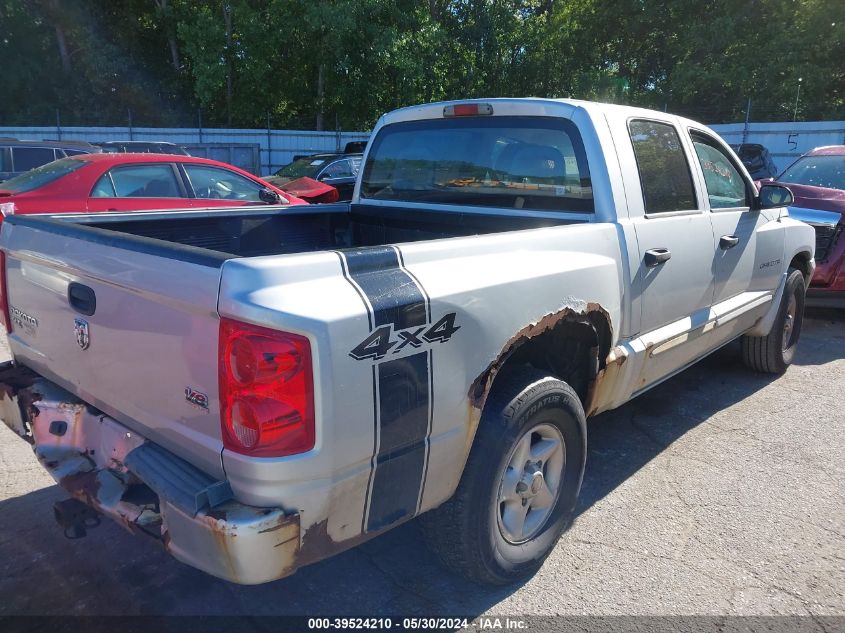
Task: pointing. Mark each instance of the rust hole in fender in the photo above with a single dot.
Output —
(588, 330)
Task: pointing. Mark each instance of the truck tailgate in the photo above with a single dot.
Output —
(126, 323)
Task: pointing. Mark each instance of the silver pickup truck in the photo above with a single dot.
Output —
(258, 389)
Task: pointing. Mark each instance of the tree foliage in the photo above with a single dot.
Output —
(328, 63)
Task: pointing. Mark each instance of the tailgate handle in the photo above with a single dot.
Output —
(81, 298)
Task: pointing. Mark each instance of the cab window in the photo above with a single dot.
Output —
(665, 175)
(726, 188)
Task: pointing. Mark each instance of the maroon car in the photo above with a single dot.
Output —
(817, 181)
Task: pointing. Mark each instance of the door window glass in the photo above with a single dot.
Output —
(104, 188)
(26, 158)
(338, 169)
(222, 184)
(145, 181)
(725, 186)
(664, 171)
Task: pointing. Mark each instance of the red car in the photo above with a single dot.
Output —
(132, 182)
(817, 181)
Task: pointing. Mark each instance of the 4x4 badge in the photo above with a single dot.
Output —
(80, 329)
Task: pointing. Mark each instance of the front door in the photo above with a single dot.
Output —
(749, 246)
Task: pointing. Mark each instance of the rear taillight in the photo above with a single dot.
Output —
(266, 390)
(4, 296)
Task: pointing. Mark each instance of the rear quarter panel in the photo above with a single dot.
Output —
(393, 433)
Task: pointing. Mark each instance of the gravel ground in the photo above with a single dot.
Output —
(719, 492)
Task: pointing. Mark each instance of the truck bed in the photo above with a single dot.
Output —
(156, 279)
(262, 231)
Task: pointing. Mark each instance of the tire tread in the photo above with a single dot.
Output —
(447, 530)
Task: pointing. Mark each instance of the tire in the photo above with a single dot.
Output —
(773, 353)
(477, 533)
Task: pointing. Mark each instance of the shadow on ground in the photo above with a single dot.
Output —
(114, 573)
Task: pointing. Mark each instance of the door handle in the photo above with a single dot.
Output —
(728, 241)
(82, 298)
(656, 256)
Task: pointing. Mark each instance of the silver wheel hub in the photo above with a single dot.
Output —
(789, 322)
(531, 483)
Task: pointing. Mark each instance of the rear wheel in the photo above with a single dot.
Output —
(773, 353)
(520, 484)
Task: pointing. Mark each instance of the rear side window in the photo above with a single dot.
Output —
(338, 169)
(726, 187)
(41, 176)
(499, 161)
(664, 171)
(26, 158)
(139, 181)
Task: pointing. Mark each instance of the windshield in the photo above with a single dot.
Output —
(308, 166)
(817, 171)
(511, 162)
(41, 176)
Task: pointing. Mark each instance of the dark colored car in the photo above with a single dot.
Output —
(134, 182)
(17, 157)
(338, 170)
(817, 181)
(757, 160)
(143, 147)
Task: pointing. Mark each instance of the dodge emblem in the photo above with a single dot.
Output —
(80, 329)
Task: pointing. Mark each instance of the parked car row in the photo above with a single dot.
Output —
(817, 180)
(131, 182)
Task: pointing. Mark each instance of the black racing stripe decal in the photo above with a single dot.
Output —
(416, 281)
(428, 431)
(402, 387)
(357, 288)
(375, 452)
(404, 405)
(393, 294)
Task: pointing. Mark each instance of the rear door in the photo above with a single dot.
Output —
(130, 328)
(674, 278)
(139, 186)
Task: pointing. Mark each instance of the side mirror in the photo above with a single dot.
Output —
(269, 196)
(772, 196)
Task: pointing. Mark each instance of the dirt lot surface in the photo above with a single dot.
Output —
(719, 492)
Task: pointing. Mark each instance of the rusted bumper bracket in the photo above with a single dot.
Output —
(148, 490)
(175, 480)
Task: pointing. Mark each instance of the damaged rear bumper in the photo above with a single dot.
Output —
(145, 488)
